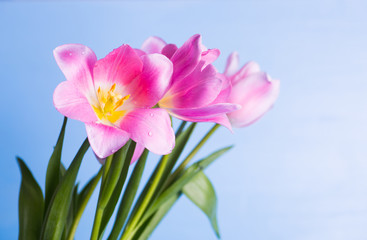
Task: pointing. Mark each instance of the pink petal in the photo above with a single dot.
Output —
(139, 149)
(76, 61)
(186, 58)
(204, 112)
(169, 50)
(247, 69)
(225, 91)
(150, 128)
(203, 115)
(70, 102)
(120, 66)
(153, 45)
(153, 81)
(105, 140)
(232, 64)
(210, 56)
(256, 94)
(198, 89)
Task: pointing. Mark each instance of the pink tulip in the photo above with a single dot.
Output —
(254, 90)
(114, 97)
(194, 93)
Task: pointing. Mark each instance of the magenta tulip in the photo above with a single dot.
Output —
(194, 93)
(114, 97)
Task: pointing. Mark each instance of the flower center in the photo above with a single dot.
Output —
(109, 104)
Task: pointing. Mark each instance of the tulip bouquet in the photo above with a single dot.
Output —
(127, 100)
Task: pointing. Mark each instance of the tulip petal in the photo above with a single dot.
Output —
(209, 56)
(197, 90)
(204, 112)
(76, 61)
(70, 102)
(186, 58)
(150, 128)
(105, 140)
(232, 64)
(139, 149)
(153, 81)
(121, 66)
(169, 50)
(247, 69)
(256, 95)
(153, 45)
(214, 113)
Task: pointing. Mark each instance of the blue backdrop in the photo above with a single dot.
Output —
(300, 173)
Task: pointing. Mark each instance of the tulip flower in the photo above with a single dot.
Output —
(114, 97)
(253, 89)
(195, 87)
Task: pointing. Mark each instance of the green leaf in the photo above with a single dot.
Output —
(178, 184)
(128, 196)
(117, 191)
(201, 192)
(53, 174)
(31, 205)
(82, 200)
(58, 209)
(148, 227)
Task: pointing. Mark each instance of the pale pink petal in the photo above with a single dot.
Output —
(121, 66)
(139, 52)
(198, 89)
(186, 58)
(76, 61)
(153, 45)
(105, 140)
(209, 56)
(139, 149)
(169, 50)
(153, 82)
(247, 69)
(70, 102)
(232, 64)
(225, 91)
(151, 128)
(256, 95)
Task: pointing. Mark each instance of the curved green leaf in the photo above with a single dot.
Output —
(148, 227)
(178, 184)
(54, 171)
(201, 192)
(58, 209)
(31, 205)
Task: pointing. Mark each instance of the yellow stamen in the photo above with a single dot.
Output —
(109, 102)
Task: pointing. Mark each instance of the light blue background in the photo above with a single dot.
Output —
(300, 173)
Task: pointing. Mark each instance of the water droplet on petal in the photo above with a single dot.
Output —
(150, 133)
(83, 53)
(70, 54)
(152, 114)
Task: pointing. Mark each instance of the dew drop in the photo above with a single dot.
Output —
(70, 54)
(152, 114)
(150, 133)
(83, 53)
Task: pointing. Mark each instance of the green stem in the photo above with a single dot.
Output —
(97, 223)
(99, 211)
(82, 206)
(140, 211)
(184, 163)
